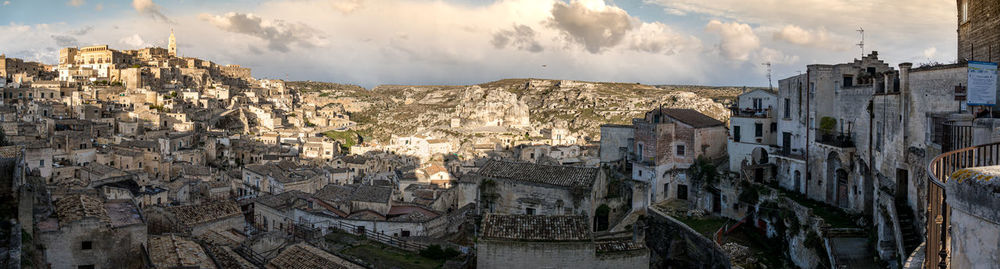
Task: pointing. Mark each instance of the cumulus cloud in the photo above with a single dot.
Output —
(150, 8)
(817, 38)
(659, 38)
(82, 31)
(278, 33)
(133, 41)
(591, 23)
(76, 3)
(930, 52)
(521, 37)
(768, 55)
(737, 40)
(346, 6)
(64, 41)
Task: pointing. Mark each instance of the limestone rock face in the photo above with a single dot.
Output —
(491, 107)
(511, 109)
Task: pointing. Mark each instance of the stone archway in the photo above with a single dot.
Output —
(759, 156)
(830, 181)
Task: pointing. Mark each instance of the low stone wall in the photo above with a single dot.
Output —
(674, 244)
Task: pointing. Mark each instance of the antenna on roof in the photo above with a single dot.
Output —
(769, 85)
(861, 44)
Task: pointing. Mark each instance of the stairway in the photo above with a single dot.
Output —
(908, 230)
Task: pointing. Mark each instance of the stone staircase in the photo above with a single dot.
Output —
(911, 239)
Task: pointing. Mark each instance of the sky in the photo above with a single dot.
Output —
(457, 42)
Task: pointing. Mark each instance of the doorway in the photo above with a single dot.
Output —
(842, 188)
(902, 183)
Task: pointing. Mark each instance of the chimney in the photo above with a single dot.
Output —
(904, 78)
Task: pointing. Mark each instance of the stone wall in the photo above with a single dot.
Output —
(978, 37)
(675, 245)
(580, 254)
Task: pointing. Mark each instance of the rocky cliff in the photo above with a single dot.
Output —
(514, 106)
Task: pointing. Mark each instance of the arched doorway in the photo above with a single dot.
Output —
(842, 192)
(832, 165)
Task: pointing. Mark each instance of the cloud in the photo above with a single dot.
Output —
(737, 40)
(133, 41)
(591, 23)
(278, 33)
(659, 38)
(82, 31)
(76, 3)
(65, 41)
(150, 8)
(768, 55)
(99, 7)
(346, 6)
(816, 38)
(930, 52)
(521, 36)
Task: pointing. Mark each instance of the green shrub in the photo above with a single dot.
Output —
(827, 124)
(437, 253)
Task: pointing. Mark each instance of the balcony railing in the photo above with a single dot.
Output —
(840, 140)
(938, 211)
(750, 112)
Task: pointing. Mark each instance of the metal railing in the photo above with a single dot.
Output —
(938, 211)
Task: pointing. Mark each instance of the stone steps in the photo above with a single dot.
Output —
(907, 228)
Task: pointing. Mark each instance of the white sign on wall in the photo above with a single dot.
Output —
(982, 89)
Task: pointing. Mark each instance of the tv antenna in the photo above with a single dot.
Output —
(861, 44)
(768, 65)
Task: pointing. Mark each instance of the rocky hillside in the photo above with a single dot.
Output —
(513, 106)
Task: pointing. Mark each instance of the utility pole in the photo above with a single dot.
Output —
(861, 44)
(769, 85)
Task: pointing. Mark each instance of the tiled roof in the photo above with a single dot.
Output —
(536, 228)
(75, 207)
(192, 215)
(566, 176)
(302, 255)
(284, 200)
(618, 245)
(360, 193)
(691, 117)
(228, 259)
(171, 251)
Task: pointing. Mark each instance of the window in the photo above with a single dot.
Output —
(41, 163)
(85, 245)
(666, 190)
(529, 211)
(758, 104)
(788, 108)
(680, 150)
(848, 81)
(682, 192)
(774, 127)
(406, 233)
(758, 130)
(736, 133)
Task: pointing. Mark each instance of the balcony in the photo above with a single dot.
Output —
(840, 140)
(750, 112)
(938, 251)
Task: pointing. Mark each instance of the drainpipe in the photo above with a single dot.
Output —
(808, 122)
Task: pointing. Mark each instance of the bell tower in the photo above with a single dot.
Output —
(173, 44)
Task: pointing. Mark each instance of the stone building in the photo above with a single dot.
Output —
(616, 144)
(535, 189)
(977, 35)
(667, 142)
(195, 220)
(534, 241)
(87, 231)
(753, 130)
